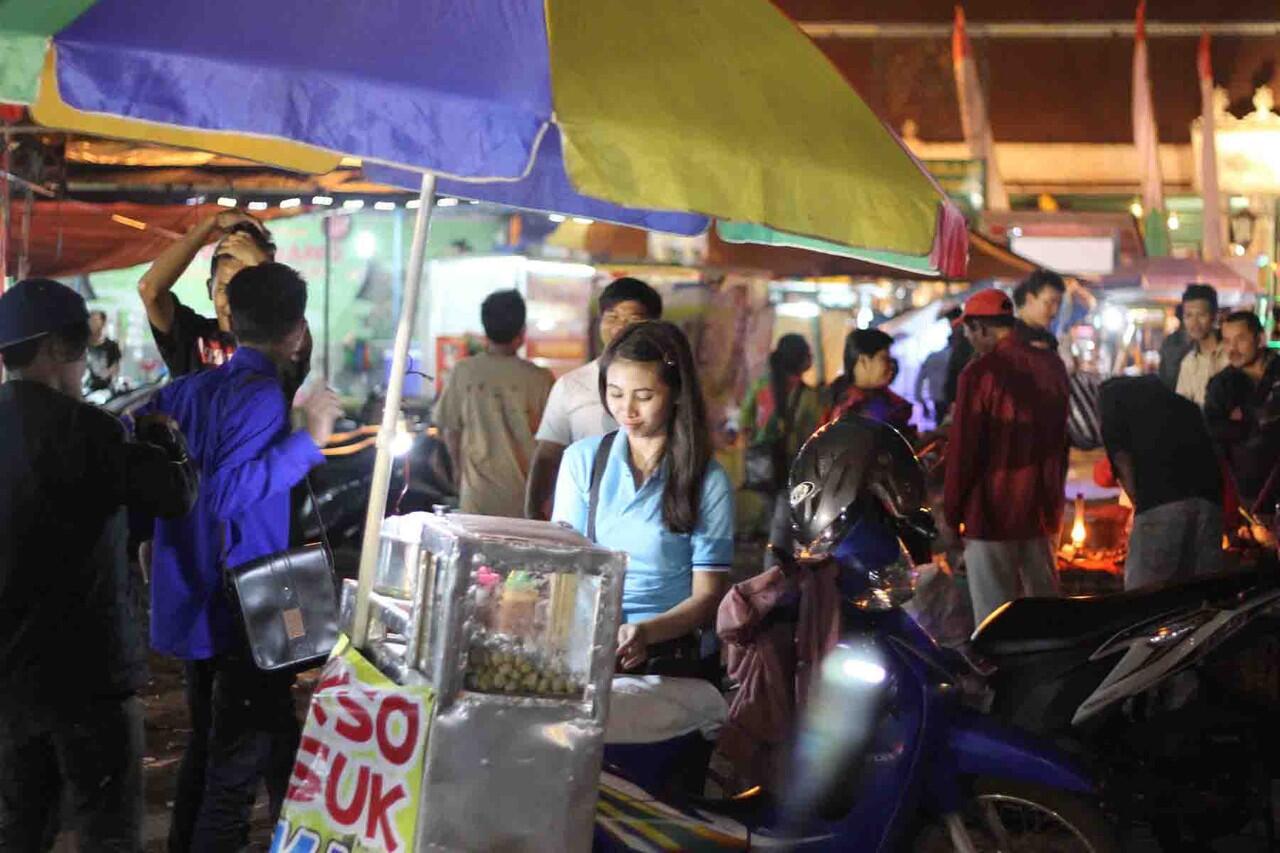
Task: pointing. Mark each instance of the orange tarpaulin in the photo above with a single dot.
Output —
(72, 238)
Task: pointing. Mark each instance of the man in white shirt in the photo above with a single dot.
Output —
(1207, 356)
(574, 410)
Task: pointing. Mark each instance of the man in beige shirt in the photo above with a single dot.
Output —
(489, 411)
(1207, 356)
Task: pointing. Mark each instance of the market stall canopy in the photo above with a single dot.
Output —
(93, 168)
(1113, 239)
(69, 238)
(1164, 279)
(561, 106)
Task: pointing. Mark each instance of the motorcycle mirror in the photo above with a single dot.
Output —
(839, 721)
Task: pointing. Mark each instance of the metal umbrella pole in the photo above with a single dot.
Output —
(391, 413)
(326, 223)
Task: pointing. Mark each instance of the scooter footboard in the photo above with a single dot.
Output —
(980, 747)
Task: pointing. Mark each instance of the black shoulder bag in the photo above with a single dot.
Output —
(288, 604)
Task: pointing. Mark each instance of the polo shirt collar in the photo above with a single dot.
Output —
(618, 456)
(248, 358)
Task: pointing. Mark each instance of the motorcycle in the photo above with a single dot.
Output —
(1171, 692)
(1065, 724)
(421, 479)
(891, 753)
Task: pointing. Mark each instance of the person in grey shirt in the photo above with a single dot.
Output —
(490, 409)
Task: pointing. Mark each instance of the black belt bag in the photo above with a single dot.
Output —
(288, 604)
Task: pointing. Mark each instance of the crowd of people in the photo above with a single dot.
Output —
(619, 449)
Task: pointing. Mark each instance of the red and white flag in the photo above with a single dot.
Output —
(1213, 230)
(973, 113)
(1145, 137)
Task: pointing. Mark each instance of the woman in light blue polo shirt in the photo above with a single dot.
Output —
(663, 499)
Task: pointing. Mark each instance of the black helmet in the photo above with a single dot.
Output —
(852, 468)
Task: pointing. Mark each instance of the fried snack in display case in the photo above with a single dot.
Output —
(527, 638)
(514, 625)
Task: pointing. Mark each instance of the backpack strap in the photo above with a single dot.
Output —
(597, 477)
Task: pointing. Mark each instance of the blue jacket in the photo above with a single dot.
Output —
(235, 419)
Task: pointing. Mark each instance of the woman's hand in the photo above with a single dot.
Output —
(633, 646)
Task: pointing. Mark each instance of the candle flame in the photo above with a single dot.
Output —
(1078, 532)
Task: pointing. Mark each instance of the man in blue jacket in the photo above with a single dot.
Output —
(244, 728)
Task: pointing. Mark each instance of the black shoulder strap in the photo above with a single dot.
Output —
(597, 477)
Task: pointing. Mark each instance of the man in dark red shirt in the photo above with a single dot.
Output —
(1006, 458)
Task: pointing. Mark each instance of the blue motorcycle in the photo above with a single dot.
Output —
(890, 755)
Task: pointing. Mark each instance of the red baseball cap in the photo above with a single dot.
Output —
(988, 303)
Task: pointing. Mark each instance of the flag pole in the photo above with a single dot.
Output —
(391, 413)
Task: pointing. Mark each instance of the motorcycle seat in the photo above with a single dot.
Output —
(1035, 625)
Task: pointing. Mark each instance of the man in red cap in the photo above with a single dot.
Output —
(1007, 458)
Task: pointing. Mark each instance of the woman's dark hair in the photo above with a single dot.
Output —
(860, 342)
(72, 340)
(688, 449)
(790, 358)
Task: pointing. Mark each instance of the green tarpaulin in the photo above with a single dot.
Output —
(25, 28)
(744, 232)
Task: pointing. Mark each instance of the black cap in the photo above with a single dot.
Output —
(37, 306)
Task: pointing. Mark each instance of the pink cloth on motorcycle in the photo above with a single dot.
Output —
(773, 662)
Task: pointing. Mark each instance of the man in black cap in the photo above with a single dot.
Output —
(72, 653)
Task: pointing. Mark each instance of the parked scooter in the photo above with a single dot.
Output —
(421, 479)
(915, 767)
(1171, 692)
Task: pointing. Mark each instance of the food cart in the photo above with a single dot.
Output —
(475, 718)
